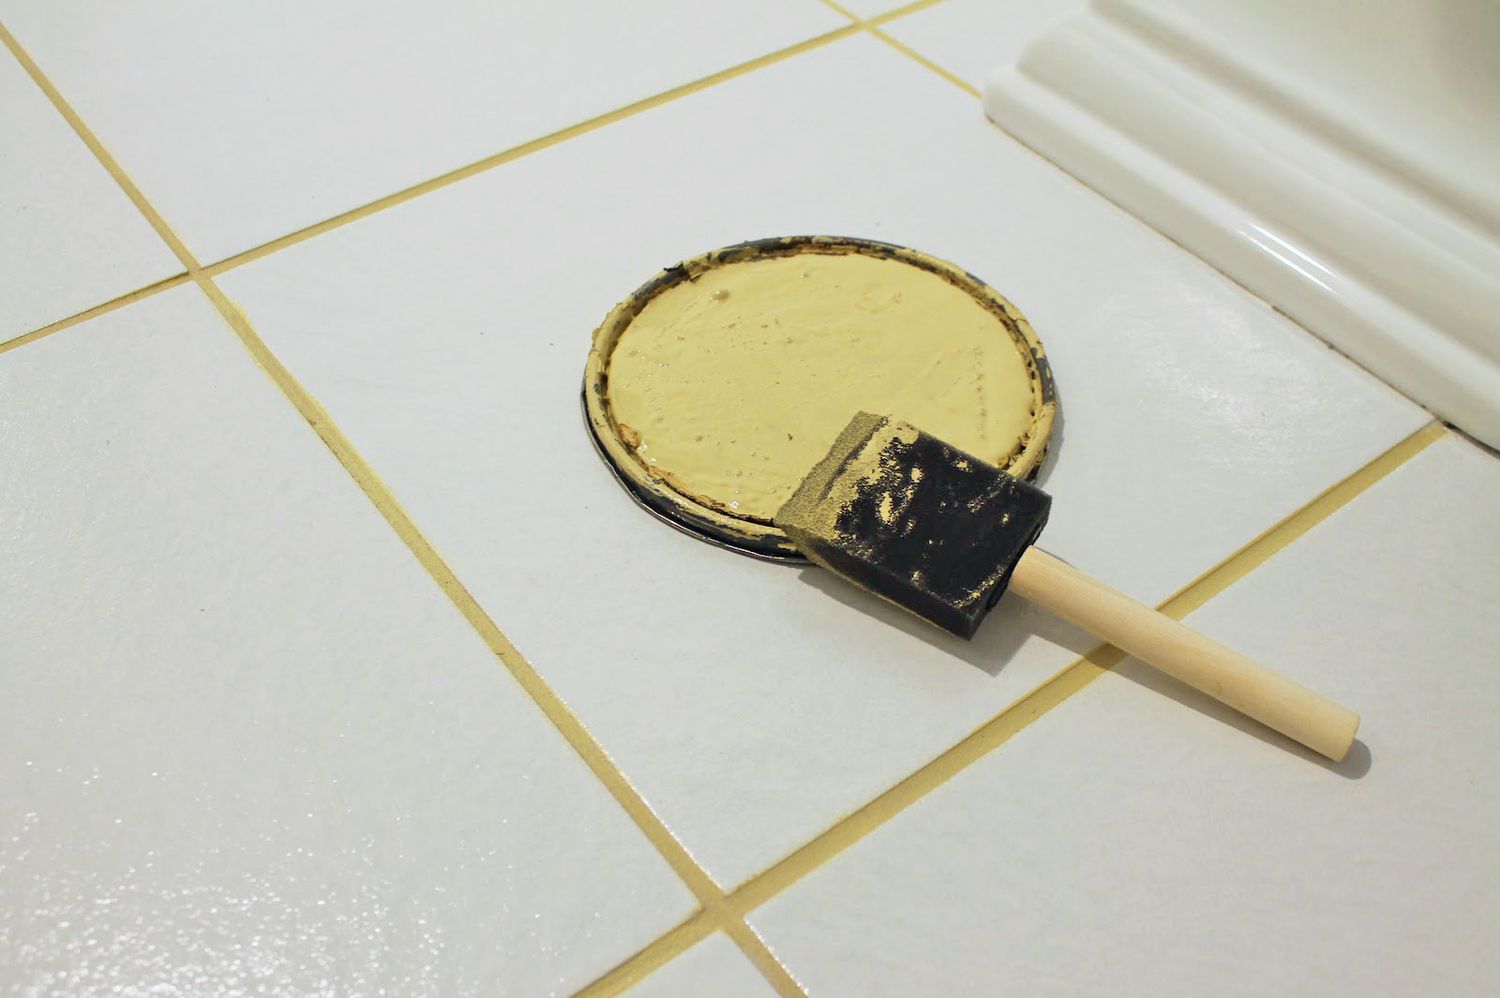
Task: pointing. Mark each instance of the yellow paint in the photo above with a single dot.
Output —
(856, 460)
(731, 387)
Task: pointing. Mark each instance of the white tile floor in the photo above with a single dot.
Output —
(195, 587)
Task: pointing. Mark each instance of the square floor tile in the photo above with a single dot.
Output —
(974, 38)
(69, 237)
(243, 122)
(754, 704)
(246, 745)
(1135, 843)
(713, 967)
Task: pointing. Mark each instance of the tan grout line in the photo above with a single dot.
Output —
(713, 912)
(751, 944)
(912, 53)
(878, 19)
(872, 26)
(1284, 533)
(666, 948)
(973, 747)
(100, 309)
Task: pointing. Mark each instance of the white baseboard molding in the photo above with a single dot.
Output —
(1336, 203)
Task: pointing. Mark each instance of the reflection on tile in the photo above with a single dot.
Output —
(1131, 842)
(69, 237)
(713, 967)
(974, 38)
(751, 703)
(245, 742)
(297, 112)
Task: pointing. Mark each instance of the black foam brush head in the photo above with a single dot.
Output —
(914, 520)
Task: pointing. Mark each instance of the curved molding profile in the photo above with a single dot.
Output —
(1340, 159)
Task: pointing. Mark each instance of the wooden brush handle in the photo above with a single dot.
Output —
(1185, 655)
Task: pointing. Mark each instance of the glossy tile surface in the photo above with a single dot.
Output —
(246, 744)
(298, 112)
(750, 703)
(1131, 842)
(713, 967)
(69, 238)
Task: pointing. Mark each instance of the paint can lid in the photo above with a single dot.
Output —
(713, 388)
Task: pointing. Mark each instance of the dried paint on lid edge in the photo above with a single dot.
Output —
(752, 537)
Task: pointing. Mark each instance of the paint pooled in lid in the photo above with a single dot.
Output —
(731, 376)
